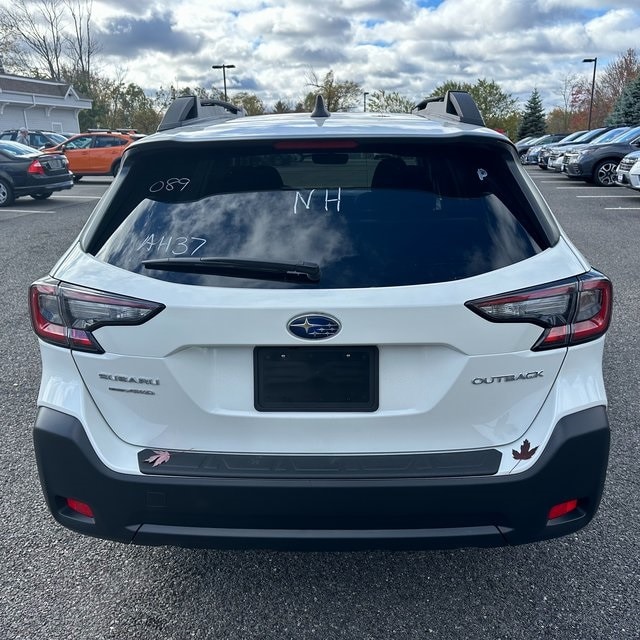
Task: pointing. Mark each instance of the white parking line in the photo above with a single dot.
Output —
(79, 197)
(620, 196)
(5, 210)
(573, 186)
(622, 208)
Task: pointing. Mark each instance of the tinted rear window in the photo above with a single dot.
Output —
(368, 214)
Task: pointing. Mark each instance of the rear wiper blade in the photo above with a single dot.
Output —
(239, 268)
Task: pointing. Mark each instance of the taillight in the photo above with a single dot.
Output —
(36, 168)
(571, 311)
(66, 315)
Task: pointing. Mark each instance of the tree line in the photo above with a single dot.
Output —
(52, 39)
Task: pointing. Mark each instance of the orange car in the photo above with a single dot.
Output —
(95, 153)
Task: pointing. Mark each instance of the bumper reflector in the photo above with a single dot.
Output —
(80, 507)
(562, 509)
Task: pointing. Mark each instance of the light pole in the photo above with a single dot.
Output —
(593, 86)
(224, 68)
(366, 93)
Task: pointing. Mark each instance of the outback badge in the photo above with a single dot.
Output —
(313, 326)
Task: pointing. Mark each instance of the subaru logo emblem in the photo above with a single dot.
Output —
(312, 326)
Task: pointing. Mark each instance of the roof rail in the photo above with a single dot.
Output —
(454, 105)
(188, 110)
(123, 130)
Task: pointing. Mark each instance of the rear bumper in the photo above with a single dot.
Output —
(336, 513)
(44, 185)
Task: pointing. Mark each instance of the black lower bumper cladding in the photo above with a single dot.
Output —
(330, 508)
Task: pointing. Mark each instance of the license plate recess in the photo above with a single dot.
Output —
(316, 378)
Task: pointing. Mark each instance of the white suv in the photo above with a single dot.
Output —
(322, 331)
(628, 172)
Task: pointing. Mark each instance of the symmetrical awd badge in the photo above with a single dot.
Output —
(312, 326)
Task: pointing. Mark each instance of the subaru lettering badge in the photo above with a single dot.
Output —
(312, 326)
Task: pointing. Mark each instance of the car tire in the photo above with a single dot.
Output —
(41, 196)
(6, 194)
(115, 168)
(77, 178)
(604, 174)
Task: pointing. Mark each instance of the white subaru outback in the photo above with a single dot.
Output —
(322, 331)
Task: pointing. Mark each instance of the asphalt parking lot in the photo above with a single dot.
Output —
(58, 585)
(87, 191)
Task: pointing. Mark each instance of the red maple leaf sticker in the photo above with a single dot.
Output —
(159, 458)
(525, 453)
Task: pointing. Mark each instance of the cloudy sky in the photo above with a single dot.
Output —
(408, 46)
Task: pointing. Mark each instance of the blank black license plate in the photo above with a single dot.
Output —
(316, 378)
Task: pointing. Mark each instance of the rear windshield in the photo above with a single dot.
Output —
(362, 214)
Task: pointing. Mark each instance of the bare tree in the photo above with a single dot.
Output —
(339, 96)
(49, 38)
(38, 25)
(80, 42)
(562, 114)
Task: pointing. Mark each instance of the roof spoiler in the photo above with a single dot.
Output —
(188, 110)
(454, 105)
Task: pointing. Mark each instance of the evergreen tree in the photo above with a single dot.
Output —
(533, 119)
(627, 107)
(283, 106)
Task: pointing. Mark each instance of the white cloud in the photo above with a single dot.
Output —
(395, 45)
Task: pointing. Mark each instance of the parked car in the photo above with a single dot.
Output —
(95, 153)
(556, 151)
(523, 149)
(634, 176)
(24, 171)
(533, 154)
(525, 140)
(549, 152)
(628, 172)
(385, 340)
(598, 163)
(37, 139)
(607, 136)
